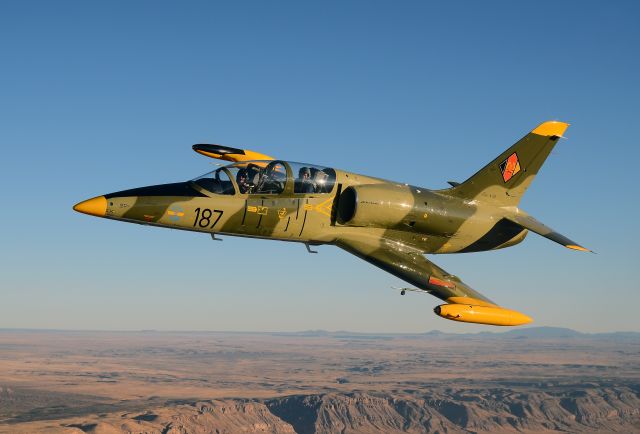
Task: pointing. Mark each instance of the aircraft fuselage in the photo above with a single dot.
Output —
(422, 218)
(388, 224)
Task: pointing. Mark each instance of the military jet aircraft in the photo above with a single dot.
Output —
(389, 224)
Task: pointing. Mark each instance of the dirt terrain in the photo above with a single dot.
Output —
(528, 380)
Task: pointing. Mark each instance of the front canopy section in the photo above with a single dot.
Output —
(216, 182)
(266, 177)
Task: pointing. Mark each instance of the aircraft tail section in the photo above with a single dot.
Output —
(504, 181)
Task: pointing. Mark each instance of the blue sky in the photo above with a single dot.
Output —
(99, 97)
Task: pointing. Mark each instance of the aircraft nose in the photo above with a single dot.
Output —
(96, 206)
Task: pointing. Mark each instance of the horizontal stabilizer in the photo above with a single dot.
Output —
(528, 222)
(228, 153)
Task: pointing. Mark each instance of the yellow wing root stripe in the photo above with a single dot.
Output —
(325, 207)
(551, 128)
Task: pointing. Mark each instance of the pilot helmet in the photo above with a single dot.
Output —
(304, 171)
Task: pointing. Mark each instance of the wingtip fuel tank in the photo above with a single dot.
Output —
(228, 153)
(490, 315)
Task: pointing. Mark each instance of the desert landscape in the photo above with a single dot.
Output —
(525, 380)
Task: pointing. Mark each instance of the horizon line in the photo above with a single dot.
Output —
(321, 331)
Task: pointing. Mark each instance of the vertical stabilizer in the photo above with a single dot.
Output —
(504, 181)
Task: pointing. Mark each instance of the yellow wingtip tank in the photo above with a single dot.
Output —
(227, 153)
(490, 315)
(551, 128)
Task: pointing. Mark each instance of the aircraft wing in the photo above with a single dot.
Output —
(410, 265)
(228, 153)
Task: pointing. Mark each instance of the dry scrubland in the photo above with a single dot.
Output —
(536, 380)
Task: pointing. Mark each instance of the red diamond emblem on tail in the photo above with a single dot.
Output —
(510, 167)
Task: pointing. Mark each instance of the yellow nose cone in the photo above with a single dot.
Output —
(96, 206)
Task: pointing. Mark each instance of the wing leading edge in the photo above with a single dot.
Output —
(464, 303)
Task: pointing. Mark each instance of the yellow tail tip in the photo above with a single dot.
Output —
(551, 128)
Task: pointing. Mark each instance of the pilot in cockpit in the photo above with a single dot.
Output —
(304, 184)
(243, 182)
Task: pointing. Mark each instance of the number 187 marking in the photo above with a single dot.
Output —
(203, 219)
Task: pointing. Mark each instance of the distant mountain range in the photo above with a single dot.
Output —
(521, 332)
(526, 332)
